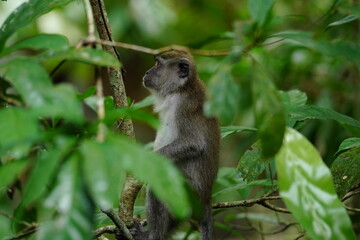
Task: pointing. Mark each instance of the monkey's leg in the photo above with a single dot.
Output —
(205, 224)
(159, 219)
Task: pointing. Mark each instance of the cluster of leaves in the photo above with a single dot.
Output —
(305, 182)
(47, 145)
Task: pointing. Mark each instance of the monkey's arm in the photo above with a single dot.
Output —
(180, 149)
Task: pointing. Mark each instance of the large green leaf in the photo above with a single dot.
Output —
(25, 14)
(17, 126)
(44, 169)
(346, 170)
(9, 172)
(269, 113)
(307, 188)
(42, 41)
(67, 213)
(160, 173)
(104, 173)
(259, 10)
(309, 112)
(34, 85)
(84, 54)
(224, 95)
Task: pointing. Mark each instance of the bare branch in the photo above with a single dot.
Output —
(250, 202)
(90, 20)
(111, 229)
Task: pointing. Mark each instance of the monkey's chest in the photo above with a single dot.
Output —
(167, 132)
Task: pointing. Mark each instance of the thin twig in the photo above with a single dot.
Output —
(24, 233)
(90, 20)
(250, 202)
(26, 224)
(10, 100)
(100, 108)
(111, 229)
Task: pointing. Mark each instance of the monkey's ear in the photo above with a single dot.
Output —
(183, 68)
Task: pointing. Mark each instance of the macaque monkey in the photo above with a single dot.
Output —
(186, 136)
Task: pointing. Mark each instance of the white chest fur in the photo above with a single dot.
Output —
(167, 107)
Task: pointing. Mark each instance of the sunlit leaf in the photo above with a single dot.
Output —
(67, 212)
(87, 55)
(269, 113)
(307, 188)
(252, 163)
(224, 95)
(347, 144)
(25, 14)
(103, 173)
(229, 130)
(17, 126)
(40, 42)
(259, 10)
(346, 170)
(9, 172)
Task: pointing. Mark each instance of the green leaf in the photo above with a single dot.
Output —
(307, 188)
(290, 100)
(252, 163)
(308, 112)
(269, 113)
(348, 50)
(43, 171)
(67, 213)
(28, 78)
(259, 10)
(346, 170)
(34, 85)
(224, 95)
(229, 130)
(87, 93)
(40, 42)
(103, 173)
(9, 172)
(353, 9)
(346, 19)
(348, 144)
(60, 101)
(25, 14)
(146, 102)
(164, 178)
(87, 55)
(17, 126)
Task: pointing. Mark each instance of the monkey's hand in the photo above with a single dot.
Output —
(138, 231)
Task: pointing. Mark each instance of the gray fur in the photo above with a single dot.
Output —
(186, 136)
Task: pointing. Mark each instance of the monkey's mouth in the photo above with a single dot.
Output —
(148, 83)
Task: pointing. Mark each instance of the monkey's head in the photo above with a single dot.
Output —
(173, 71)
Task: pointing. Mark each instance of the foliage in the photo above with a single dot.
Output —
(283, 84)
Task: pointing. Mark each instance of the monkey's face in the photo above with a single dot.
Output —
(168, 75)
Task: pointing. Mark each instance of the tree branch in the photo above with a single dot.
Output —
(248, 203)
(118, 223)
(115, 78)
